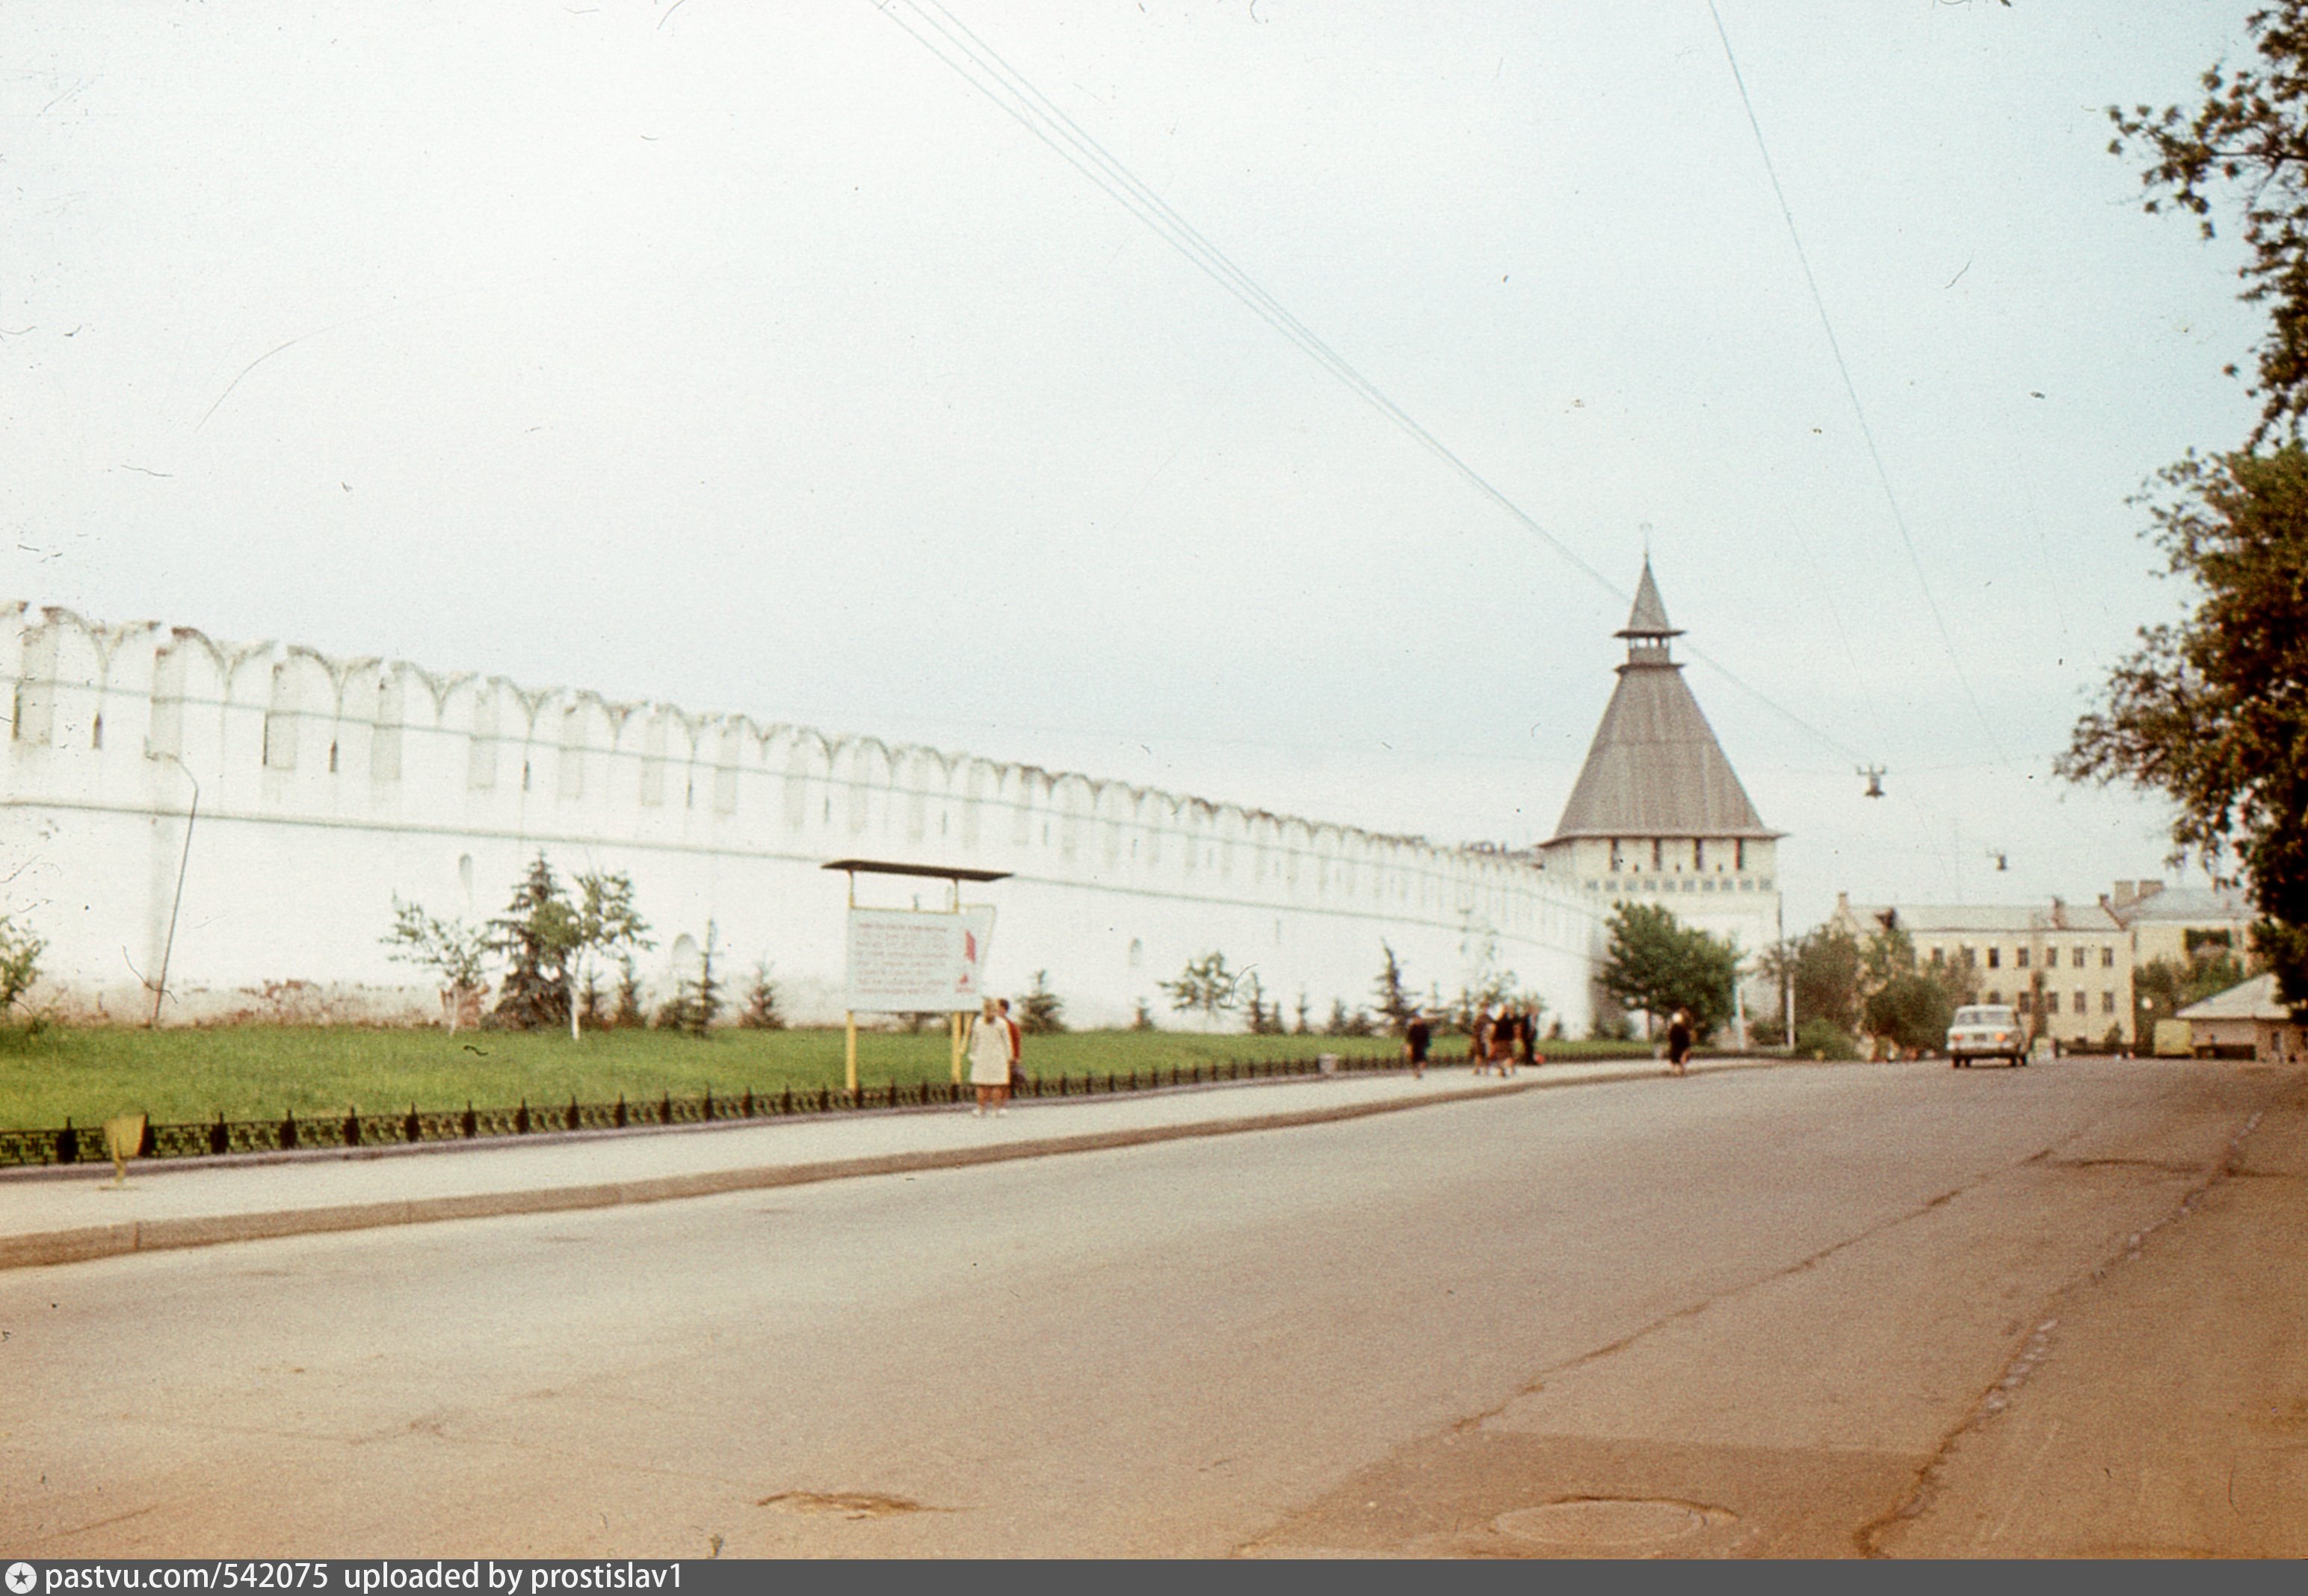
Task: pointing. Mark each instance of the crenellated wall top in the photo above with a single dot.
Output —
(293, 712)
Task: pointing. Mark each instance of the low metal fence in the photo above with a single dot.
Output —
(220, 1136)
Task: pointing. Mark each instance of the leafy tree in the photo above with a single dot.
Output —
(1910, 1010)
(1345, 1022)
(1305, 1026)
(1825, 967)
(535, 937)
(20, 961)
(762, 1012)
(2248, 138)
(1041, 1012)
(604, 924)
(2161, 987)
(456, 952)
(1205, 987)
(2213, 712)
(1656, 964)
(1140, 1019)
(1394, 1004)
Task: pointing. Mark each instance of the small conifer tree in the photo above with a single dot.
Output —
(1040, 1010)
(762, 1012)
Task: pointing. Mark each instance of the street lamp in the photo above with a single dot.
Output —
(192, 817)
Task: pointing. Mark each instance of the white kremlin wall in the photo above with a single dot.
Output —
(328, 785)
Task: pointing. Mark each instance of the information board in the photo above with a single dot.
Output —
(908, 961)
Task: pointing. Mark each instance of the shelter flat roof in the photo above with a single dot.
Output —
(939, 872)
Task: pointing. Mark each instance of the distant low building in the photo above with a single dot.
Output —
(2247, 1022)
(2066, 967)
(2175, 924)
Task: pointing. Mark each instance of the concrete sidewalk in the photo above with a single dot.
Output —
(58, 1216)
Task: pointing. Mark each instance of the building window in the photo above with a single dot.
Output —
(2083, 1002)
(2107, 1002)
(1995, 997)
(2077, 957)
(2022, 1001)
(1995, 958)
(2051, 1002)
(1658, 854)
(1739, 854)
(1699, 854)
(2020, 957)
(2106, 956)
(1614, 855)
(1939, 955)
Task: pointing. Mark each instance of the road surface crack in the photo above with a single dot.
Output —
(2037, 1347)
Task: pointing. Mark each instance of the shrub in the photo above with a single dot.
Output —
(20, 961)
(1824, 1039)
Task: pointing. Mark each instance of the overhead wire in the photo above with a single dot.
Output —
(979, 65)
(1851, 391)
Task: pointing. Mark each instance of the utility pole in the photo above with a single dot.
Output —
(160, 987)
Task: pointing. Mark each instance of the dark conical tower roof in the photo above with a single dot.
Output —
(1655, 769)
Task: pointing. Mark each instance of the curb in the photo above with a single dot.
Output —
(90, 1242)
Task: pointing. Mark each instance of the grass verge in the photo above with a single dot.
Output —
(259, 1072)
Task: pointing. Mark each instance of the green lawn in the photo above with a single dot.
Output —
(259, 1072)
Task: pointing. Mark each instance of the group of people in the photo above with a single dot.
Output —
(997, 1047)
(1494, 1042)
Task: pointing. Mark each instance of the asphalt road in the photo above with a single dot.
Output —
(1792, 1312)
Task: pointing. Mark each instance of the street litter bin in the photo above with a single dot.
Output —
(1328, 1063)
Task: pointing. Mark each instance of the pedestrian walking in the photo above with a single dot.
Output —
(1017, 1047)
(1678, 1042)
(989, 1060)
(1526, 1036)
(1417, 1036)
(1478, 1041)
(1504, 1036)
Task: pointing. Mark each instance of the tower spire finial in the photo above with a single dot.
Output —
(1646, 623)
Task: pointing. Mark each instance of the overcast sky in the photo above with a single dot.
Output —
(751, 357)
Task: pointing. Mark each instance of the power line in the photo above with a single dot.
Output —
(1851, 391)
(980, 65)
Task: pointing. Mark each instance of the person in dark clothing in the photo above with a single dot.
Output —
(1526, 1036)
(1678, 1040)
(1417, 1036)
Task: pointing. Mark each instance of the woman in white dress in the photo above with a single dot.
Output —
(989, 1060)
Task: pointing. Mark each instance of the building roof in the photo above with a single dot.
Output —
(1655, 769)
(2191, 905)
(1946, 920)
(2255, 999)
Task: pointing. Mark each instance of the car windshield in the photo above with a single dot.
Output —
(1983, 1016)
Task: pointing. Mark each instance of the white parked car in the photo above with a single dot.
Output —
(1986, 1031)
